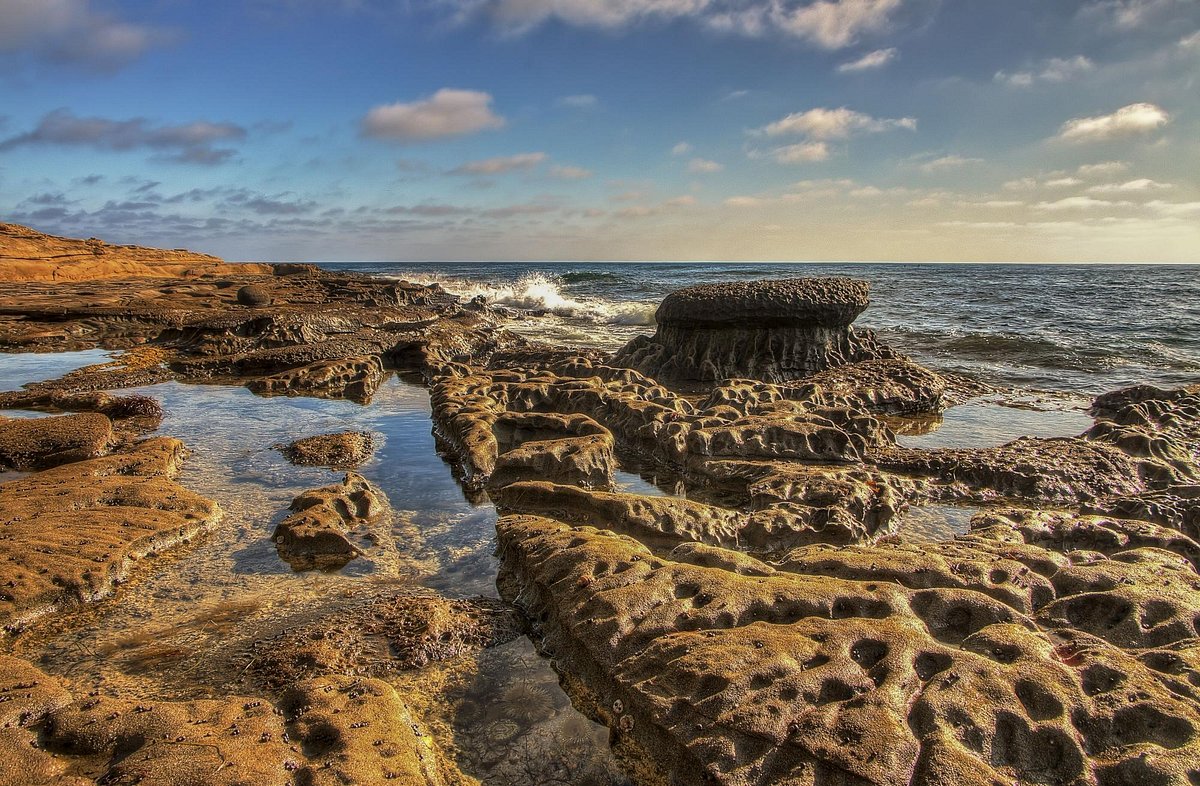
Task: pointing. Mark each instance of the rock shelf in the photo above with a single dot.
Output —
(767, 623)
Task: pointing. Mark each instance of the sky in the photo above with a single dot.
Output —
(860, 130)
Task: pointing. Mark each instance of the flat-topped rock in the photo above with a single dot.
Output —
(774, 331)
(786, 302)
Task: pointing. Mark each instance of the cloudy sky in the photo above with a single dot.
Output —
(990, 130)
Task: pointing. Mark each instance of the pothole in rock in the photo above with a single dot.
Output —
(988, 424)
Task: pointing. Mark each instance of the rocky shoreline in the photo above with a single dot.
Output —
(770, 623)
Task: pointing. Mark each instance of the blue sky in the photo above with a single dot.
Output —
(1020, 130)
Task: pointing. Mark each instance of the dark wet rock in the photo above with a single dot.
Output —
(325, 732)
(769, 330)
(69, 535)
(355, 378)
(344, 449)
(254, 295)
(37, 443)
(114, 407)
(328, 526)
(396, 630)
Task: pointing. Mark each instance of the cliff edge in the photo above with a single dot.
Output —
(29, 255)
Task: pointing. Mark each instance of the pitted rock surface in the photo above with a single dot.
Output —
(769, 330)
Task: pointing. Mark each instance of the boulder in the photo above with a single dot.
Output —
(253, 295)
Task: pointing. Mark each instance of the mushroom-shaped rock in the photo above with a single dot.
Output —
(775, 331)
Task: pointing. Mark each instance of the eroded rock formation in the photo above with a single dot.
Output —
(331, 525)
(770, 330)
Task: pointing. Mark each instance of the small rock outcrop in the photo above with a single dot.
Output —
(37, 443)
(318, 532)
(344, 449)
(774, 331)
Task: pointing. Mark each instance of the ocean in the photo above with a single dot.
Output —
(1077, 329)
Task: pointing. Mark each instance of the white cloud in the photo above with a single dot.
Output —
(500, 165)
(1078, 203)
(1102, 169)
(1062, 182)
(1127, 121)
(681, 149)
(1021, 184)
(446, 113)
(871, 60)
(1174, 209)
(1190, 42)
(570, 172)
(948, 162)
(1141, 185)
(821, 123)
(704, 166)
(1056, 70)
(803, 152)
(579, 101)
(743, 201)
(832, 24)
(72, 31)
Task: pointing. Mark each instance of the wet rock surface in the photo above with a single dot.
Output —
(334, 730)
(393, 631)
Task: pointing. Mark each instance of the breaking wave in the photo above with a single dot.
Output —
(541, 293)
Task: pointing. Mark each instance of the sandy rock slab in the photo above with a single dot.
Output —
(324, 732)
(37, 443)
(984, 660)
(72, 533)
(342, 449)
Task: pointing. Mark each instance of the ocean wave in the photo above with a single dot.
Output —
(538, 292)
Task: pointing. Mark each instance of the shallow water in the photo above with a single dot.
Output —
(181, 629)
(17, 370)
(986, 424)
(935, 522)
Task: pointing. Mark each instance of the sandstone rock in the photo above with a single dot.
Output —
(70, 534)
(830, 671)
(343, 449)
(30, 255)
(318, 533)
(143, 408)
(354, 378)
(326, 732)
(769, 330)
(253, 295)
(36, 443)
